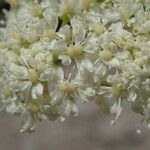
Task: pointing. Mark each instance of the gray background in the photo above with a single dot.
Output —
(89, 131)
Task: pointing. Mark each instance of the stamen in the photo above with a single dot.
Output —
(67, 87)
(75, 52)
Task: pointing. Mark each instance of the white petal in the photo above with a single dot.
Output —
(19, 85)
(85, 65)
(51, 18)
(11, 107)
(18, 71)
(99, 70)
(57, 97)
(64, 32)
(66, 61)
(37, 91)
(79, 30)
(48, 74)
(132, 96)
(59, 74)
(28, 124)
(116, 109)
(71, 109)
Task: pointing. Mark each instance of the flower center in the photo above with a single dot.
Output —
(67, 87)
(105, 55)
(98, 28)
(32, 107)
(2, 45)
(85, 4)
(75, 52)
(7, 92)
(36, 11)
(67, 8)
(13, 3)
(116, 91)
(50, 34)
(32, 75)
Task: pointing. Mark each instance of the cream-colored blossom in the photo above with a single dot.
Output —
(105, 44)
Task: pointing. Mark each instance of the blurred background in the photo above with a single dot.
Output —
(89, 131)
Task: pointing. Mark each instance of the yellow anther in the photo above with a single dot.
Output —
(98, 28)
(2, 45)
(7, 92)
(85, 4)
(50, 34)
(67, 87)
(105, 55)
(36, 11)
(32, 75)
(32, 107)
(75, 51)
(67, 8)
(14, 3)
(116, 91)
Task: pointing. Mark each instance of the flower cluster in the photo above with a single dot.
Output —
(57, 54)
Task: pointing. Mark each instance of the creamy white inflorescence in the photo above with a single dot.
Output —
(105, 44)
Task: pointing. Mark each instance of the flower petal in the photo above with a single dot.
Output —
(37, 91)
(71, 109)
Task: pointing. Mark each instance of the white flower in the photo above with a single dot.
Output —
(105, 44)
(65, 96)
